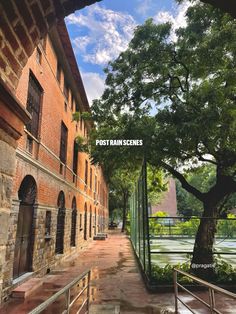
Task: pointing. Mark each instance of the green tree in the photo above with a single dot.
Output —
(157, 183)
(121, 186)
(202, 178)
(192, 84)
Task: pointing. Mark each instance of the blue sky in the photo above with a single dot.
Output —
(101, 31)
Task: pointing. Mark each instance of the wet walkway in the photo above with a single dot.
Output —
(116, 285)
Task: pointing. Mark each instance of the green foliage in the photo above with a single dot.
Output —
(155, 225)
(156, 184)
(86, 116)
(164, 275)
(202, 178)
(191, 83)
(76, 116)
(189, 227)
(227, 228)
(224, 273)
(82, 145)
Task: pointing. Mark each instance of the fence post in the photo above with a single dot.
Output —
(176, 291)
(68, 301)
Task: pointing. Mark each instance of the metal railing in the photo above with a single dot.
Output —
(211, 290)
(67, 292)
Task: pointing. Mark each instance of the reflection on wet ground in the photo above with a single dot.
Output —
(116, 284)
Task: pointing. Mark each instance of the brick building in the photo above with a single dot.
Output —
(59, 200)
(168, 202)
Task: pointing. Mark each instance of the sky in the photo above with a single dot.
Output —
(100, 32)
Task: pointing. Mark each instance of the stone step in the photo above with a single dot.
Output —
(100, 236)
(27, 288)
(104, 309)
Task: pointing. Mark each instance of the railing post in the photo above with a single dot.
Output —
(212, 300)
(176, 291)
(68, 301)
(88, 290)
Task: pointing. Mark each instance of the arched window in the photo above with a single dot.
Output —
(73, 223)
(28, 191)
(60, 223)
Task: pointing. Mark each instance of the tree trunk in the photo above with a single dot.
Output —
(202, 263)
(124, 211)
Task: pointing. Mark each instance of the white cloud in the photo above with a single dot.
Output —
(108, 33)
(143, 6)
(178, 18)
(94, 85)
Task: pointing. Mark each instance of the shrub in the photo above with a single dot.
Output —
(225, 273)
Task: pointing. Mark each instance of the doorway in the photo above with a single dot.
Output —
(24, 233)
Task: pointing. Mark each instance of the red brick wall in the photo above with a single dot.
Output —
(52, 113)
(168, 204)
(43, 164)
(22, 24)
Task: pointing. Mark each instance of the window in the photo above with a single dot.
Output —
(59, 71)
(73, 223)
(80, 221)
(29, 144)
(95, 184)
(38, 56)
(63, 147)
(86, 172)
(48, 220)
(91, 178)
(33, 105)
(72, 102)
(75, 157)
(66, 90)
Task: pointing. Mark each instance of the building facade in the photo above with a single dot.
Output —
(59, 199)
(168, 203)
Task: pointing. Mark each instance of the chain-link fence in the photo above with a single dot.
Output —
(161, 241)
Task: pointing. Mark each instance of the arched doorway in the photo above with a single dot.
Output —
(73, 223)
(60, 224)
(85, 221)
(24, 235)
(90, 222)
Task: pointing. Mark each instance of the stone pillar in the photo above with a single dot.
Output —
(10, 248)
(12, 119)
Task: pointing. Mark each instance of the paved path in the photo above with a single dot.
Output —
(116, 285)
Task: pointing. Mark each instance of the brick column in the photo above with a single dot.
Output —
(12, 119)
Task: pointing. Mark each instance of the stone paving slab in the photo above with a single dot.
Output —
(104, 308)
(115, 283)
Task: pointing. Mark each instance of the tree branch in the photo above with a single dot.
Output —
(201, 158)
(226, 5)
(188, 187)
